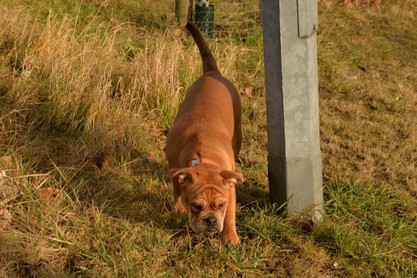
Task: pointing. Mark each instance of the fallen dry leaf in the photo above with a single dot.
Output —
(336, 265)
(49, 192)
(5, 214)
(8, 190)
(5, 218)
(6, 161)
(350, 4)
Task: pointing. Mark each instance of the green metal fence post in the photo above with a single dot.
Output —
(204, 17)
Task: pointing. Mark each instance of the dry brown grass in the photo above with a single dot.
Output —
(371, 98)
(87, 92)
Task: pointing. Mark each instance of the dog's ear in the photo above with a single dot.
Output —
(231, 177)
(182, 175)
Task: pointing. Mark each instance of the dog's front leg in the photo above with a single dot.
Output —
(229, 234)
(178, 206)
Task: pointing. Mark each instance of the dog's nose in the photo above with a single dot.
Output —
(211, 221)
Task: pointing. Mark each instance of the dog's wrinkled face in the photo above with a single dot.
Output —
(205, 195)
(206, 206)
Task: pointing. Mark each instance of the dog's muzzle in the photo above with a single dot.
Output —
(209, 224)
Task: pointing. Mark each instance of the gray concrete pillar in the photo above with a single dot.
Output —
(290, 52)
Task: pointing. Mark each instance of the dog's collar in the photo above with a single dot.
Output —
(201, 160)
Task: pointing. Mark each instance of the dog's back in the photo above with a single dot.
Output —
(208, 120)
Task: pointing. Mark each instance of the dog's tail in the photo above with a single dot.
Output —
(209, 63)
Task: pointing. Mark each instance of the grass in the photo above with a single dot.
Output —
(87, 92)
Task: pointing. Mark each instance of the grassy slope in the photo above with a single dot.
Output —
(88, 91)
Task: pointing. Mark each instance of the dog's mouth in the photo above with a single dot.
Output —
(211, 231)
(200, 229)
(207, 227)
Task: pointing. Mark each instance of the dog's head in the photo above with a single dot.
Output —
(205, 195)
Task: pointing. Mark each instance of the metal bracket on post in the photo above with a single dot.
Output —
(294, 159)
(307, 18)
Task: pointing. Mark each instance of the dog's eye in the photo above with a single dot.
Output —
(221, 206)
(197, 207)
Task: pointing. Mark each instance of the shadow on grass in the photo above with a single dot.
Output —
(140, 191)
(109, 172)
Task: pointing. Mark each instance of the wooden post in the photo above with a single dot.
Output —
(181, 11)
(290, 51)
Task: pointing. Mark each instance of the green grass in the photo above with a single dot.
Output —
(88, 90)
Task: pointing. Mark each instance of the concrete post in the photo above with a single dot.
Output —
(290, 52)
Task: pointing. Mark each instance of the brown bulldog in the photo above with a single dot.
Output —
(201, 149)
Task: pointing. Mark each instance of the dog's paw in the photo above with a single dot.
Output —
(231, 238)
(179, 208)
